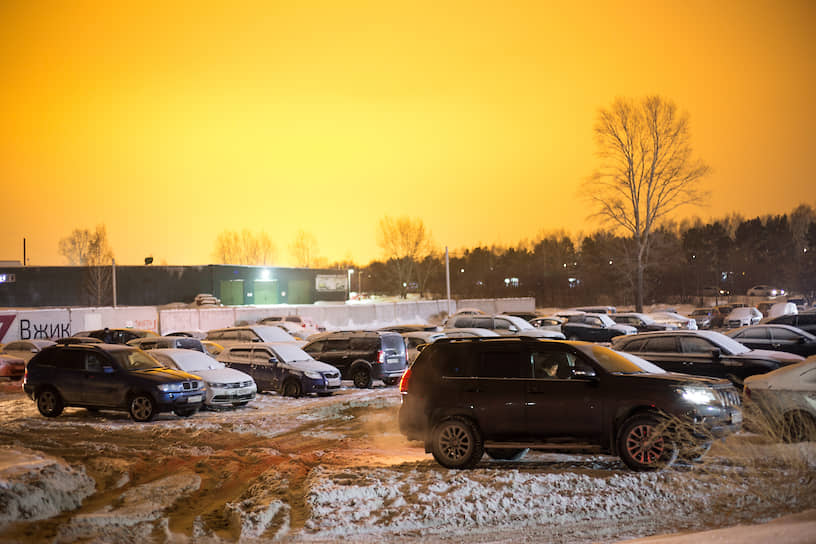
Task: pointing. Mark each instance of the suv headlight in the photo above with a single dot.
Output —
(313, 375)
(170, 387)
(698, 395)
(218, 385)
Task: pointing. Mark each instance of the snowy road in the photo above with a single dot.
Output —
(325, 469)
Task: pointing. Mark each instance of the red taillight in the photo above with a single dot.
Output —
(381, 357)
(403, 385)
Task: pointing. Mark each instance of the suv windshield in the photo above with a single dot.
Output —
(135, 359)
(727, 344)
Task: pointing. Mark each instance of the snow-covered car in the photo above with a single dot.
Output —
(414, 339)
(460, 312)
(504, 325)
(469, 333)
(675, 319)
(25, 349)
(781, 308)
(11, 368)
(282, 367)
(641, 322)
(549, 323)
(765, 291)
(250, 333)
(742, 317)
(225, 386)
(167, 342)
(300, 326)
(594, 328)
(785, 397)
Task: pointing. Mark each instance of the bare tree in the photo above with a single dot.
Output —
(405, 242)
(304, 249)
(233, 247)
(646, 172)
(91, 248)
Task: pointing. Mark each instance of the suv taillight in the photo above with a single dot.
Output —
(381, 357)
(403, 385)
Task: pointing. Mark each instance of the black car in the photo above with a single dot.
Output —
(777, 338)
(594, 328)
(362, 356)
(642, 322)
(805, 321)
(465, 397)
(109, 377)
(704, 353)
(116, 336)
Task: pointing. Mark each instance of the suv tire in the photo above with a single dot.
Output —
(361, 375)
(49, 402)
(457, 443)
(506, 454)
(644, 444)
(141, 407)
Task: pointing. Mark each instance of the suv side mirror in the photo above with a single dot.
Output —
(273, 360)
(716, 353)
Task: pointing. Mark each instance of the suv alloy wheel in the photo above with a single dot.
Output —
(457, 443)
(644, 443)
(49, 402)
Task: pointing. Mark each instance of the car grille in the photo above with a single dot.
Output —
(237, 385)
(232, 398)
(729, 397)
(331, 375)
(190, 386)
(733, 324)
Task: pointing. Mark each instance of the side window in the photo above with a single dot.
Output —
(70, 359)
(240, 355)
(502, 364)
(784, 334)
(93, 363)
(664, 344)
(363, 344)
(336, 345)
(501, 324)
(692, 344)
(593, 321)
(463, 322)
(482, 322)
(755, 332)
(314, 347)
(248, 336)
(634, 345)
(451, 361)
(546, 363)
(262, 356)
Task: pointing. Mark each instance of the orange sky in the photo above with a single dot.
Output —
(172, 124)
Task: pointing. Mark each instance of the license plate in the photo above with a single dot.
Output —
(393, 360)
(736, 417)
(194, 398)
(244, 391)
(334, 382)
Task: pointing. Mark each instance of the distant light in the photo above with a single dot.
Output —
(265, 275)
(283, 293)
(462, 270)
(610, 261)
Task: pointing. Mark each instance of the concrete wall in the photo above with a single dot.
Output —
(16, 324)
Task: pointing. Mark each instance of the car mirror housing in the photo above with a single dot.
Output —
(273, 361)
(587, 373)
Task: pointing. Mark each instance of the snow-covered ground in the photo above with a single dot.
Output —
(336, 468)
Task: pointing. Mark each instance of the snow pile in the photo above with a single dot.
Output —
(36, 486)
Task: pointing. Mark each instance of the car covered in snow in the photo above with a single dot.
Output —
(594, 328)
(642, 322)
(225, 386)
(116, 336)
(11, 368)
(785, 398)
(742, 317)
(251, 333)
(502, 396)
(168, 342)
(25, 349)
(504, 325)
(282, 367)
(764, 290)
(703, 353)
(109, 377)
(674, 319)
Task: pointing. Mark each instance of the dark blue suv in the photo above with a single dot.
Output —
(109, 377)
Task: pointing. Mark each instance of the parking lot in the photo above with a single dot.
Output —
(323, 469)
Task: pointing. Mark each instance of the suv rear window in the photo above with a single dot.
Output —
(393, 342)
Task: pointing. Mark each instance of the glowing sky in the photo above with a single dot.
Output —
(172, 121)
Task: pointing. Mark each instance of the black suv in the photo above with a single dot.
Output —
(362, 356)
(464, 397)
(108, 376)
(805, 321)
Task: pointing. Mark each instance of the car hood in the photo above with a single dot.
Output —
(626, 329)
(164, 375)
(781, 356)
(314, 366)
(223, 375)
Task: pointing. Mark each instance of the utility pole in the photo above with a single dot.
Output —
(113, 271)
(447, 278)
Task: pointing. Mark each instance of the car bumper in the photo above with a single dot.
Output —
(222, 396)
(168, 402)
(324, 385)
